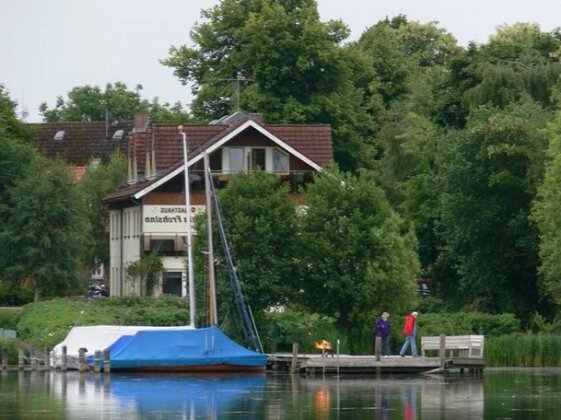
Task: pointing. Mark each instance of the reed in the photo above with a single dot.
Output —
(523, 350)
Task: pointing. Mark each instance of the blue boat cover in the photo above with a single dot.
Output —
(181, 348)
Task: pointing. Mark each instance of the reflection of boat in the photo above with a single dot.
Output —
(173, 394)
(131, 396)
(174, 348)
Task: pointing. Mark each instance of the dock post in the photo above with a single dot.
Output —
(82, 365)
(4, 358)
(442, 351)
(294, 364)
(33, 358)
(46, 358)
(97, 361)
(21, 359)
(338, 348)
(106, 361)
(64, 362)
(378, 347)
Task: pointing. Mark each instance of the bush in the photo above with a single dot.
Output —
(9, 317)
(15, 296)
(301, 327)
(48, 322)
(11, 347)
(461, 323)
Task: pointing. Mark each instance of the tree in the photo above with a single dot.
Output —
(15, 152)
(284, 63)
(45, 230)
(401, 51)
(360, 257)
(487, 181)
(116, 102)
(260, 221)
(97, 182)
(548, 218)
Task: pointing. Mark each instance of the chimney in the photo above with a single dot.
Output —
(140, 121)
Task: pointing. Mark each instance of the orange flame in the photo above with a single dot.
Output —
(322, 345)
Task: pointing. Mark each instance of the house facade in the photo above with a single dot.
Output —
(149, 213)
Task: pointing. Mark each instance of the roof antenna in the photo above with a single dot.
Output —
(237, 81)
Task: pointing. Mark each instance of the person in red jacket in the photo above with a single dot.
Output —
(409, 331)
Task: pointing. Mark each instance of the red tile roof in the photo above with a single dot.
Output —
(312, 141)
(81, 142)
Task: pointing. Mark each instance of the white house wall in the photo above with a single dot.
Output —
(125, 234)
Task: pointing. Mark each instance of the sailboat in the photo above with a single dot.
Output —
(175, 349)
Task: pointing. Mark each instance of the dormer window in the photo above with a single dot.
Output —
(118, 135)
(59, 135)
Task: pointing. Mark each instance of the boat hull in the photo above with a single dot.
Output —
(192, 369)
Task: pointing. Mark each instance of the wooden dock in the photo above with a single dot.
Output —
(313, 364)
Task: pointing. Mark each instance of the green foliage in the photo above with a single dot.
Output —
(463, 323)
(523, 350)
(11, 349)
(97, 182)
(359, 255)
(261, 226)
(304, 328)
(547, 216)
(9, 317)
(117, 102)
(147, 270)
(280, 59)
(488, 177)
(48, 322)
(15, 296)
(45, 230)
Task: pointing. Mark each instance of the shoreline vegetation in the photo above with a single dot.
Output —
(46, 323)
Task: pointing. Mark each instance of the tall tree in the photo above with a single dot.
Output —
(548, 217)
(488, 178)
(278, 58)
(116, 102)
(97, 182)
(260, 221)
(359, 255)
(45, 230)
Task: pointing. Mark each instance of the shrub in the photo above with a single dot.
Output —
(10, 346)
(461, 323)
(48, 322)
(15, 296)
(304, 328)
(9, 317)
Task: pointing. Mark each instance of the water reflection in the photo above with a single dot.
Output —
(162, 396)
(499, 394)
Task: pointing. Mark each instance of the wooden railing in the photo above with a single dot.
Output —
(464, 345)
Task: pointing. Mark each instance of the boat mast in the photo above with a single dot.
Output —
(191, 278)
(212, 309)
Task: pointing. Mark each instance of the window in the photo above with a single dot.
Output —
(171, 284)
(215, 161)
(118, 135)
(257, 159)
(236, 159)
(59, 135)
(280, 161)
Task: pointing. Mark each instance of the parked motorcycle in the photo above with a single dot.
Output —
(96, 291)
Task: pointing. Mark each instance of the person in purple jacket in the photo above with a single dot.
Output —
(383, 329)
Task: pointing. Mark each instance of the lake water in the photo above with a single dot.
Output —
(498, 394)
